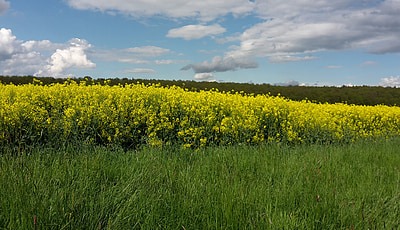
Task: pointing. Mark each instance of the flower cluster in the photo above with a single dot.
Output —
(136, 114)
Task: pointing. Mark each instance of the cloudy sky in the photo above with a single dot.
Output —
(312, 42)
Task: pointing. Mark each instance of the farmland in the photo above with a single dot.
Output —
(79, 154)
(358, 95)
(133, 115)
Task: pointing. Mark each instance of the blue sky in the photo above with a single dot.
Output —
(308, 42)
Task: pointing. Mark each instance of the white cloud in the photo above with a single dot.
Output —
(300, 27)
(205, 10)
(289, 27)
(289, 30)
(133, 55)
(4, 5)
(41, 57)
(164, 62)
(169, 61)
(290, 58)
(293, 8)
(73, 56)
(8, 43)
(131, 60)
(393, 81)
(15, 58)
(190, 32)
(292, 30)
(23, 64)
(221, 64)
(232, 38)
(204, 76)
(277, 39)
(141, 70)
(334, 67)
(148, 51)
(368, 63)
(40, 45)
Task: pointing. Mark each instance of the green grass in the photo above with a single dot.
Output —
(355, 186)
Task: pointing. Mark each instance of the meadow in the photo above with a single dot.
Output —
(135, 156)
(352, 186)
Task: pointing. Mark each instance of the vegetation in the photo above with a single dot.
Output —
(358, 95)
(274, 186)
(135, 115)
(100, 155)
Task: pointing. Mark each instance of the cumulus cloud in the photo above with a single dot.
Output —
(393, 81)
(44, 45)
(23, 64)
(221, 64)
(205, 10)
(4, 5)
(8, 43)
(41, 57)
(72, 56)
(190, 32)
(15, 57)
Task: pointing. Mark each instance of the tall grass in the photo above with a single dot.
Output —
(355, 186)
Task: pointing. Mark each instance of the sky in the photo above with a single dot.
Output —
(305, 42)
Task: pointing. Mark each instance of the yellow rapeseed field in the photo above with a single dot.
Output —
(135, 114)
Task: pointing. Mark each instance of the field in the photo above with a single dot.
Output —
(355, 186)
(90, 156)
(135, 115)
(357, 95)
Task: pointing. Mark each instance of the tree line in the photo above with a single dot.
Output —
(358, 95)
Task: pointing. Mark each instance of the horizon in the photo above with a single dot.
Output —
(138, 80)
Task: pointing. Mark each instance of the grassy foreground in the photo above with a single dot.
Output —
(355, 186)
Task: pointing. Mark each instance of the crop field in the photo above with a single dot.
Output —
(134, 156)
(135, 115)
